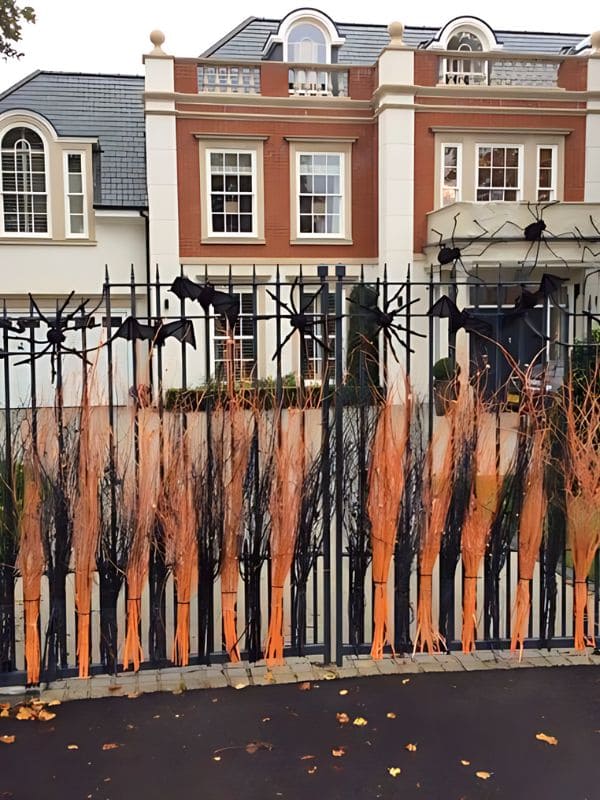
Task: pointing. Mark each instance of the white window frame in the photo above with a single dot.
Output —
(68, 232)
(458, 188)
(341, 234)
(520, 180)
(554, 173)
(47, 234)
(238, 290)
(315, 361)
(209, 219)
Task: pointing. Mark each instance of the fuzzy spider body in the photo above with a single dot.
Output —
(299, 319)
(533, 232)
(447, 255)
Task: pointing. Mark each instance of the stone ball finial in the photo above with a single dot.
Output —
(157, 38)
(595, 41)
(396, 32)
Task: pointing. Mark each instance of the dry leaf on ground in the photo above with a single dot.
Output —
(343, 692)
(72, 747)
(305, 686)
(312, 770)
(46, 716)
(464, 762)
(7, 739)
(25, 712)
(216, 758)
(307, 758)
(329, 676)
(342, 718)
(483, 775)
(394, 771)
(110, 746)
(412, 748)
(53, 703)
(391, 715)
(338, 752)
(360, 722)
(544, 737)
(405, 681)
(254, 747)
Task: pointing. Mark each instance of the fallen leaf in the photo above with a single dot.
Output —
(115, 688)
(544, 737)
(237, 686)
(254, 747)
(305, 686)
(5, 712)
(7, 739)
(343, 692)
(329, 676)
(72, 747)
(110, 746)
(391, 715)
(412, 748)
(4, 706)
(307, 758)
(343, 718)
(360, 722)
(216, 758)
(338, 752)
(156, 716)
(405, 681)
(266, 719)
(135, 695)
(130, 727)
(46, 716)
(53, 703)
(215, 700)
(312, 770)
(394, 771)
(483, 775)
(106, 780)
(464, 762)
(25, 713)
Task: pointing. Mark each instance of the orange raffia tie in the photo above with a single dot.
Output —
(275, 641)
(581, 641)
(32, 640)
(380, 612)
(521, 615)
(469, 627)
(181, 642)
(428, 638)
(133, 647)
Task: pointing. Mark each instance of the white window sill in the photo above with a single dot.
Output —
(321, 240)
(232, 240)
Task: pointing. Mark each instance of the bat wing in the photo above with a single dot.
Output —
(186, 289)
(228, 306)
(131, 329)
(550, 284)
(180, 329)
(473, 323)
(447, 309)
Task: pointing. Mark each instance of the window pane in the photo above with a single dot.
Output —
(306, 184)
(498, 157)
(216, 161)
(217, 183)
(305, 163)
(245, 162)
(512, 157)
(246, 223)
(305, 205)
(510, 195)
(218, 202)
(545, 157)
(450, 176)
(74, 162)
(76, 203)
(231, 183)
(305, 223)
(245, 183)
(512, 177)
(484, 177)
(246, 203)
(450, 156)
(75, 183)
(231, 162)
(545, 178)
(485, 156)
(497, 177)
(333, 184)
(231, 223)
(76, 223)
(318, 205)
(320, 184)
(319, 224)
(333, 164)
(218, 223)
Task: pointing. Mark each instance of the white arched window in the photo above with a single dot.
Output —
(24, 190)
(461, 69)
(306, 44)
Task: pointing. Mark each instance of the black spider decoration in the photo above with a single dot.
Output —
(535, 233)
(385, 319)
(300, 318)
(453, 254)
(58, 326)
(226, 305)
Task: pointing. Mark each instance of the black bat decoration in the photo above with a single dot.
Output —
(226, 305)
(549, 285)
(472, 323)
(132, 329)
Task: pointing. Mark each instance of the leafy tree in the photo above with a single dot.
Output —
(12, 18)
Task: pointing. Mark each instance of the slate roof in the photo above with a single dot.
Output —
(364, 43)
(109, 107)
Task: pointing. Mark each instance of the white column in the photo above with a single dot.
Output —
(592, 126)
(161, 159)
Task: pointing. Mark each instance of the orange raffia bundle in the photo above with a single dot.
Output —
(583, 494)
(531, 528)
(178, 514)
(480, 514)
(30, 563)
(145, 512)
(86, 528)
(437, 502)
(386, 484)
(235, 472)
(284, 504)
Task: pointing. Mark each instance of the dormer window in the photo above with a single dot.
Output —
(306, 44)
(465, 70)
(24, 193)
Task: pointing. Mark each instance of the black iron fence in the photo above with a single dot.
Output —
(331, 346)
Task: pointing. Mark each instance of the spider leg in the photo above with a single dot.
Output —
(468, 272)
(38, 310)
(304, 308)
(396, 295)
(555, 254)
(284, 342)
(395, 333)
(74, 352)
(282, 303)
(506, 222)
(60, 309)
(594, 226)
(441, 235)
(316, 339)
(31, 359)
(590, 251)
(399, 327)
(388, 339)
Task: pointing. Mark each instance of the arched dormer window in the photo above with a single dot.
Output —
(23, 189)
(306, 44)
(465, 70)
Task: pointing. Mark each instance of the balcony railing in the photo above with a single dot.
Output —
(317, 81)
(493, 71)
(228, 79)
